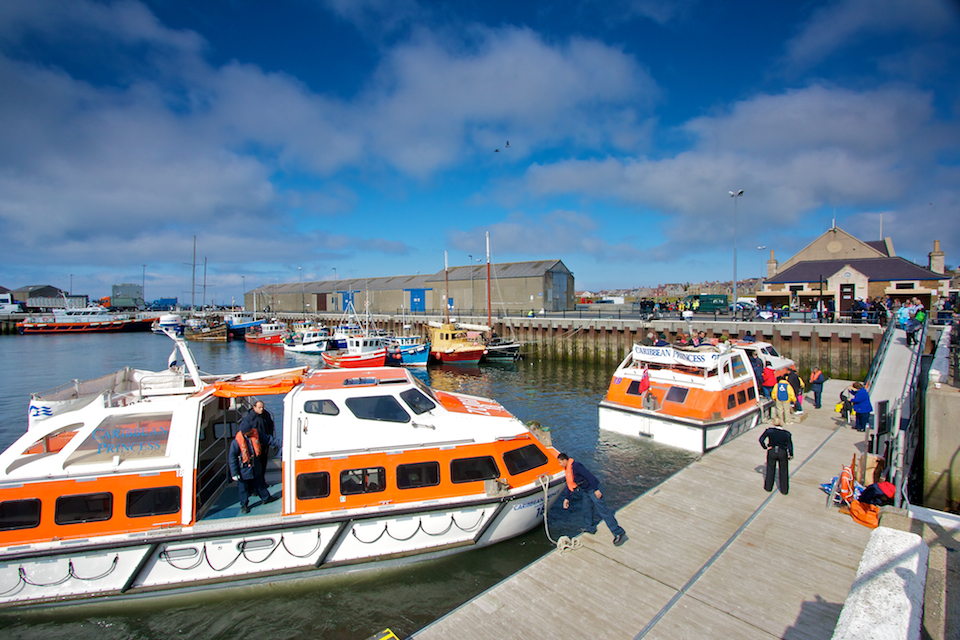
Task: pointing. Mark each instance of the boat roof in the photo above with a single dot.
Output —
(369, 377)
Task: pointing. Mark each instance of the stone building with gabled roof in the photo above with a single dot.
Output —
(840, 267)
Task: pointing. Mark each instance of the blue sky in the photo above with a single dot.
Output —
(358, 136)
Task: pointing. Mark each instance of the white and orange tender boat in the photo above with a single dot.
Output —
(694, 398)
(120, 487)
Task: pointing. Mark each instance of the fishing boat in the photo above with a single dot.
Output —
(239, 322)
(362, 351)
(309, 342)
(91, 319)
(120, 487)
(206, 330)
(407, 351)
(270, 333)
(450, 344)
(694, 398)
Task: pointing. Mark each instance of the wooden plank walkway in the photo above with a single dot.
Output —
(710, 555)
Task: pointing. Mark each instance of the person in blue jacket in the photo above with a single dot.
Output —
(580, 479)
(861, 406)
(244, 461)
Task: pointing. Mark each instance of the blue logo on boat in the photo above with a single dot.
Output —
(37, 412)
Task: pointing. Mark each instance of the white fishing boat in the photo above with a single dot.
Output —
(309, 342)
(120, 486)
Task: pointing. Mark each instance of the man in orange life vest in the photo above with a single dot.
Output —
(244, 460)
(580, 479)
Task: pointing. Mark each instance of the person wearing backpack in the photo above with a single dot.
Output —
(797, 383)
(783, 394)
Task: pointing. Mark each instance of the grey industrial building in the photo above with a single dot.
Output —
(514, 287)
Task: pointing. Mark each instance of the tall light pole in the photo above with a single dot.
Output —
(470, 255)
(303, 308)
(71, 284)
(760, 285)
(335, 293)
(735, 196)
(143, 285)
(243, 294)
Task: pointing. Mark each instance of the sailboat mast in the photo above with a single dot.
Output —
(446, 295)
(489, 299)
(193, 276)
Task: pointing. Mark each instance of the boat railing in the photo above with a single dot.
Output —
(216, 480)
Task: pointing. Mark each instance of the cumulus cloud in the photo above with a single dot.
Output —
(847, 21)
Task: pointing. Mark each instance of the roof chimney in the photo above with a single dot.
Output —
(772, 265)
(936, 259)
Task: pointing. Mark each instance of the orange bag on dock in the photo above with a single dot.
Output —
(866, 514)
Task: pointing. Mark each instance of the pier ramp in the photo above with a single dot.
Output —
(710, 555)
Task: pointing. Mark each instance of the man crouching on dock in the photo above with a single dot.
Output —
(580, 479)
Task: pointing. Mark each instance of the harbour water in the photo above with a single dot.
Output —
(350, 606)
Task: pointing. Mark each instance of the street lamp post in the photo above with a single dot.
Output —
(335, 293)
(760, 285)
(470, 255)
(303, 307)
(143, 285)
(243, 281)
(735, 196)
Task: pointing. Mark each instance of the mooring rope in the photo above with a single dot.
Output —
(563, 542)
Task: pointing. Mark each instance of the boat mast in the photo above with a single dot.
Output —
(193, 277)
(489, 300)
(446, 296)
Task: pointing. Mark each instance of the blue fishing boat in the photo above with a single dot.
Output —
(407, 351)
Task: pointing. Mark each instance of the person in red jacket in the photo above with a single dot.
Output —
(769, 379)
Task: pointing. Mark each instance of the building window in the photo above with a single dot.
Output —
(906, 285)
(421, 474)
(356, 481)
(524, 459)
(153, 502)
(474, 469)
(19, 514)
(313, 485)
(88, 507)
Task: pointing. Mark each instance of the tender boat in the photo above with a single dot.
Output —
(92, 319)
(309, 342)
(694, 398)
(120, 487)
(501, 350)
(271, 333)
(239, 321)
(361, 351)
(407, 351)
(450, 345)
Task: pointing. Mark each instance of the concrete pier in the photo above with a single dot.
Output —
(710, 555)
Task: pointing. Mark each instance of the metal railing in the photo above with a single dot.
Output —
(908, 430)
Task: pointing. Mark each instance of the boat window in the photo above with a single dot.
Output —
(155, 501)
(741, 396)
(524, 459)
(427, 391)
(770, 350)
(634, 388)
(321, 407)
(739, 369)
(385, 408)
(751, 393)
(125, 437)
(19, 514)
(417, 402)
(676, 394)
(422, 474)
(474, 469)
(313, 485)
(362, 481)
(731, 401)
(357, 382)
(87, 507)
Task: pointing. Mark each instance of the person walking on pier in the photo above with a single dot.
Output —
(862, 406)
(579, 478)
(779, 445)
(816, 384)
(783, 394)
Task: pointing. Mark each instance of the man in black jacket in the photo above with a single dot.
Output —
(261, 419)
(244, 457)
(779, 445)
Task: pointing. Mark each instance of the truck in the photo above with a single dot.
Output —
(8, 304)
(706, 302)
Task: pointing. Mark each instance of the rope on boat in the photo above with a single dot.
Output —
(22, 576)
(242, 551)
(386, 530)
(563, 542)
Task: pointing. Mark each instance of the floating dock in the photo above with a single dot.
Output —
(710, 555)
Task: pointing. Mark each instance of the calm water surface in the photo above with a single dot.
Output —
(351, 606)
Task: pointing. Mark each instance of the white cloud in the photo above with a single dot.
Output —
(840, 23)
